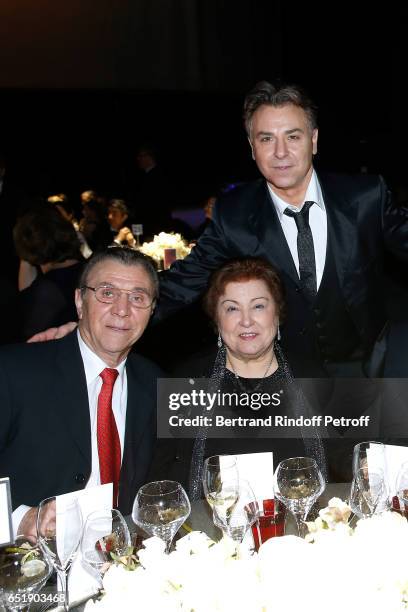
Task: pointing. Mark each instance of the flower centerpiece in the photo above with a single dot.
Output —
(336, 568)
(155, 249)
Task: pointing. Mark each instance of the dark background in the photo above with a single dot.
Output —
(83, 82)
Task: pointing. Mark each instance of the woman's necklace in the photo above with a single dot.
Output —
(258, 384)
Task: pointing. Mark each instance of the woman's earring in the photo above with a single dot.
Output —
(278, 334)
(219, 341)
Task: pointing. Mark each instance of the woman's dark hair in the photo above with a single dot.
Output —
(43, 236)
(242, 270)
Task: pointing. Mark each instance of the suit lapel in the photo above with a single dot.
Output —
(341, 230)
(341, 227)
(271, 236)
(72, 394)
(138, 416)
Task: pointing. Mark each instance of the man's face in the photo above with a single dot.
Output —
(110, 330)
(116, 218)
(144, 160)
(283, 144)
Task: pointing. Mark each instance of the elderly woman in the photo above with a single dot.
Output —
(245, 301)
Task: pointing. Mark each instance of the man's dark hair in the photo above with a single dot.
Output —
(269, 94)
(119, 205)
(147, 147)
(126, 257)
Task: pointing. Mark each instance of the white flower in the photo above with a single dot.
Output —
(364, 569)
(163, 241)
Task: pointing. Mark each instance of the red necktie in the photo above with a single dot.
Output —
(107, 434)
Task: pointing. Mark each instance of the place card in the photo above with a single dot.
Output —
(89, 499)
(395, 456)
(81, 582)
(257, 469)
(6, 525)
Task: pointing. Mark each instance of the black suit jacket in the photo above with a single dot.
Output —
(45, 436)
(362, 224)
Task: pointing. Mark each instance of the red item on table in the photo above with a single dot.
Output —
(271, 522)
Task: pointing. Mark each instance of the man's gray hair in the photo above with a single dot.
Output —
(269, 94)
(125, 256)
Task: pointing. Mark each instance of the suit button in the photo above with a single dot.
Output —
(302, 331)
(177, 457)
(79, 478)
(297, 289)
(316, 311)
(319, 325)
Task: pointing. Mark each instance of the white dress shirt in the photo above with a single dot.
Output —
(93, 366)
(317, 222)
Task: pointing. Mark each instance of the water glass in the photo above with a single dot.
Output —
(160, 508)
(298, 483)
(105, 535)
(24, 569)
(59, 529)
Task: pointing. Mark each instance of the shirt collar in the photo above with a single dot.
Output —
(93, 364)
(313, 194)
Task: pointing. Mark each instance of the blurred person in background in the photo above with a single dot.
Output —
(62, 204)
(118, 214)
(94, 225)
(51, 261)
(153, 192)
(207, 207)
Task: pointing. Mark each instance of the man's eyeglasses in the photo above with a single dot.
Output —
(110, 295)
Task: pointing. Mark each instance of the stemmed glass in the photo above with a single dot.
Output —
(59, 527)
(24, 569)
(105, 534)
(402, 484)
(298, 483)
(221, 484)
(369, 452)
(368, 493)
(160, 508)
(370, 457)
(241, 517)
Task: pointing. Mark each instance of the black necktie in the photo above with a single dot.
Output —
(306, 254)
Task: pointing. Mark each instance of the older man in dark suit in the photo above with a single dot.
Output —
(80, 411)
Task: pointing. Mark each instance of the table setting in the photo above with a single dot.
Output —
(264, 543)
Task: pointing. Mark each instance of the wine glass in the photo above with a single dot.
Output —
(370, 456)
(221, 484)
(298, 483)
(241, 517)
(59, 527)
(368, 493)
(402, 485)
(369, 453)
(160, 508)
(105, 534)
(24, 569)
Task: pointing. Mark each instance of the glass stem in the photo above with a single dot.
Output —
(63, 585)
(300, 524)
(168, 546)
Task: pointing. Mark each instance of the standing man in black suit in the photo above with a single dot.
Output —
(326, 235)
(80, 411)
